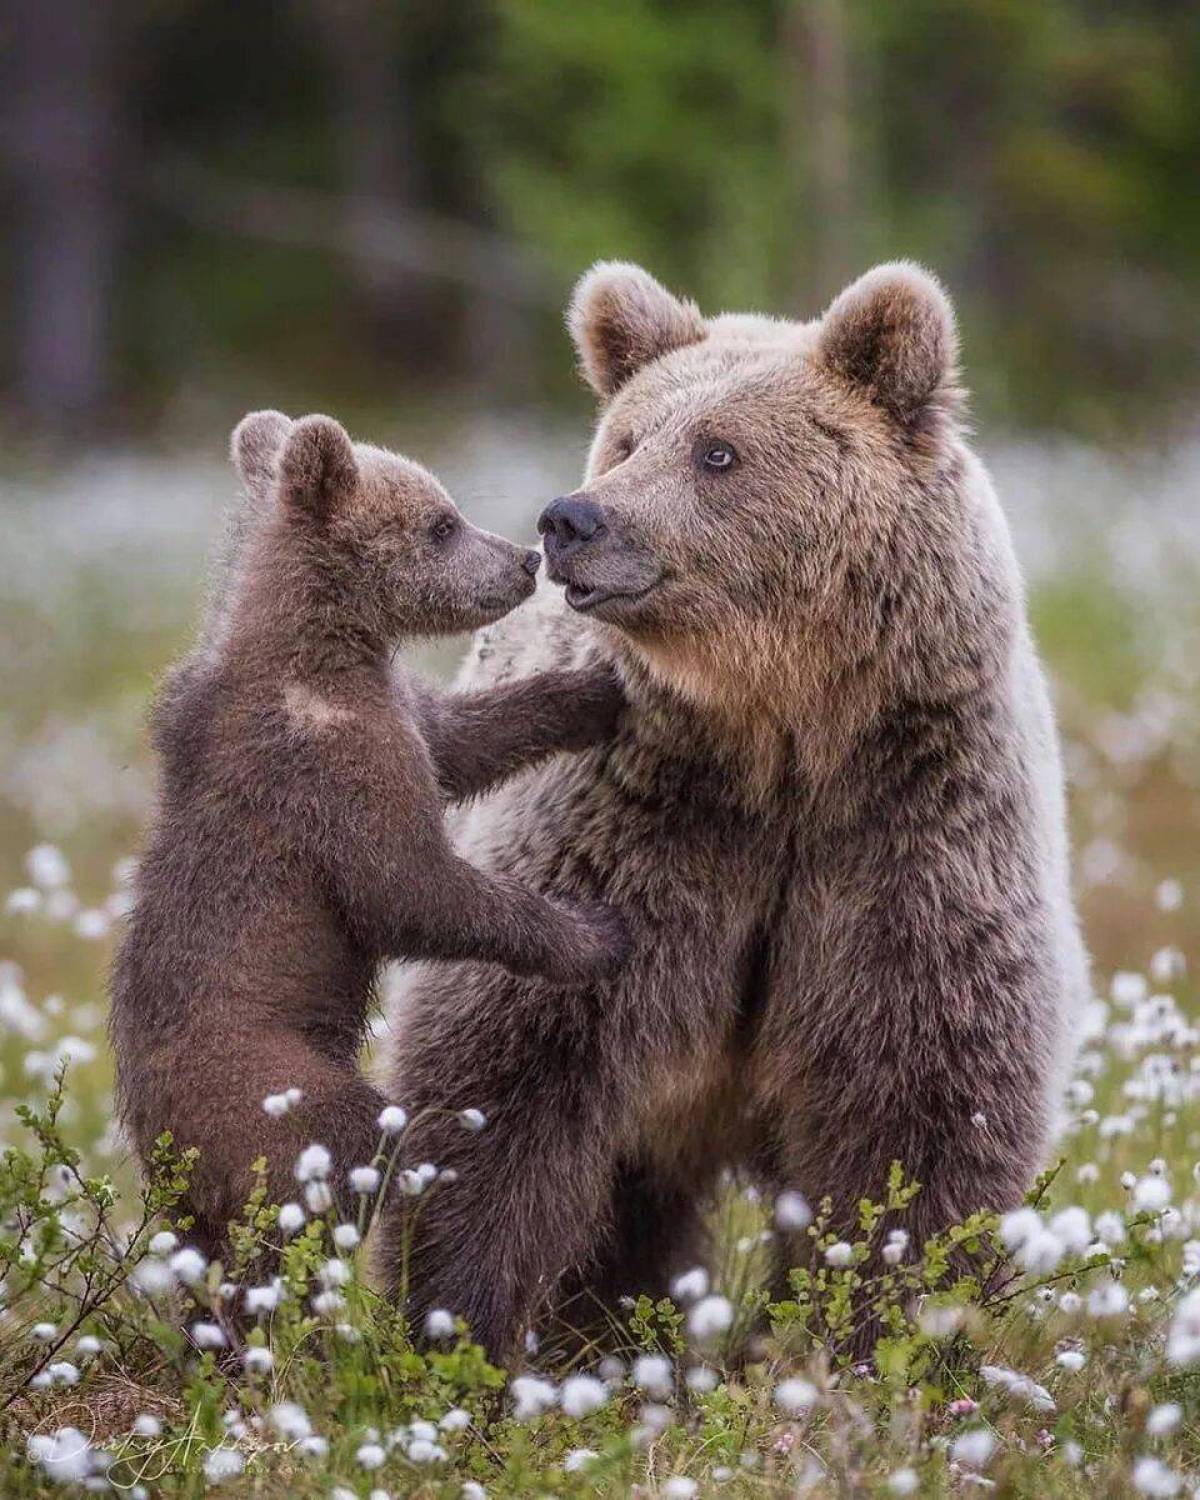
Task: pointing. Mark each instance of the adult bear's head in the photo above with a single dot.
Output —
(758, 491)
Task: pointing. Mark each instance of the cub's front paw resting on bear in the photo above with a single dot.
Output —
(601, 943)
(597, 699)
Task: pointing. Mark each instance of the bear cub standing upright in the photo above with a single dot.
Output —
(299, 839)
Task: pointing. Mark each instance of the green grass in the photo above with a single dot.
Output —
(75, 685)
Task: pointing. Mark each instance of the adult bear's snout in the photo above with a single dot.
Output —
(570, 521)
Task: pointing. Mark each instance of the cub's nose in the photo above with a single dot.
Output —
(570, 521)
(532, 562)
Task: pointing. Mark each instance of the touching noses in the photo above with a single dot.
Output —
(570, 521)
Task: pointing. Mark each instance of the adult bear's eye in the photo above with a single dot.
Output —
(443, 528)
(718, 456)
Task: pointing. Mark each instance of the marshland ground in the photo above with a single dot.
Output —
(1077, 1379)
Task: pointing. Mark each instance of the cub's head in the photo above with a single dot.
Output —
(753, 484)
(381, 526)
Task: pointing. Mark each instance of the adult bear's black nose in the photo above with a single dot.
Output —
(570, 521)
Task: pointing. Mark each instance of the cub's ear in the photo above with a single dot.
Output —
(317, 468)
(254, 448)
(620, 319)
(892, 333)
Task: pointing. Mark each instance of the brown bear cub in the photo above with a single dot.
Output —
(299, 839)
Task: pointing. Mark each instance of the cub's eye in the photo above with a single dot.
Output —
(622, 449)
(718, 456)
(443, 528)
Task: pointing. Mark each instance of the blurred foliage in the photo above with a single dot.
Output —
(325, 201)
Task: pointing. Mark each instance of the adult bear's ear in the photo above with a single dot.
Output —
(317, 468)
(620, 319)
(254, 448)
(892, 334)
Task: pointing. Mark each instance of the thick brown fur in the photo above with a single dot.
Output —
(833, 813)
(299, 839)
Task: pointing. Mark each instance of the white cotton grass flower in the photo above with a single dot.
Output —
(59, 1372)
(147, 1425)
(1128, 989)
(291, 1218)
(1022, 1387)
(895, 1246)
(263, 1299)
(840, 1253)
(66, 1456)
(424, 1451)
(654, 1374)
(1153, 1477)
(88, 1346)
(439, 1324)
(473, 1119)
(44, 1332)
(318, 1198)
(290, 1421)
(152, 1277)
(582, 1395)
(189, 1265)
(710, 1318)
(346, 1236)
(473, 1490)
(532, 1396)
(328, 1304)
(335, 1272)
(223, 1463)
(1070, 1303)
(1168, 895)
(973, 1448)
(701, 1379)
(579, 1458)
(47, 867)
(680, 1487)
(23, 901)
(792, 1212)
(1164, 1418)
(365, 1180)
(206, 1335)
(691, 1285)
(370, 1456)
(92, 924)
(314, 1162)
(1073, 1228)
(1151, 1194)
(940, 1322)
(1108, 1299)
(1183, 1336)
(392, 1119)
(163, 1242)
(276, 1105)
(457, 1419)
(1072, 1360)
(903, 1482)
(1110, 1227)
(796, 1395)
(257, 1360)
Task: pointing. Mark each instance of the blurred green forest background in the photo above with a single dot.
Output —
(345, 203)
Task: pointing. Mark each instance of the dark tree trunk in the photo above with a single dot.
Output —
(820, 147)
(62, 141)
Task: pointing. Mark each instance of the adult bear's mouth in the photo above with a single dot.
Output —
(582, 597)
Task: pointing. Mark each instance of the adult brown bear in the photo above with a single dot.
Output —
(833, 819)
